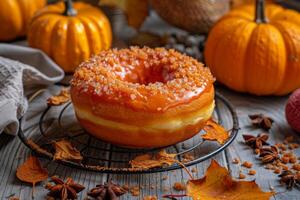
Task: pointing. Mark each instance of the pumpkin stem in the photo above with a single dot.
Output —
(260, 16)
(69, 9)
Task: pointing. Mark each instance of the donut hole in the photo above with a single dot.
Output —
(146, 75)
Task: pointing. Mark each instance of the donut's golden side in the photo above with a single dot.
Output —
(126, 127)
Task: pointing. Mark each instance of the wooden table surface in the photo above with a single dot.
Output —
(13, 152)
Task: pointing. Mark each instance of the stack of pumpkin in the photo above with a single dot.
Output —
(68, 32)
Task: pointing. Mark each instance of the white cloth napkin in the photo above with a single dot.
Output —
(21, 68)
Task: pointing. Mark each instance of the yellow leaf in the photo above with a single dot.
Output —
(214, 132)
(217, 184)
(136, 10)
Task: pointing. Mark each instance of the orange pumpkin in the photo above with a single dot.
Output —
(15, 16)
(249, 51)
(70, 33)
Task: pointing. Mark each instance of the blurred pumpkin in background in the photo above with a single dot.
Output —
(249, 51)
(235, 3)
(196, 16)
(70, 32)
(15, 16)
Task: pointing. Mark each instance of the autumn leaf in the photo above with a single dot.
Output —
(64, 150)
(59, 99)
(136, 10)
(215, 132)
(31, 171)
(148, 161)
(217, 184)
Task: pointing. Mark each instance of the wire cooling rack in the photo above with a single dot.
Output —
(59, 122)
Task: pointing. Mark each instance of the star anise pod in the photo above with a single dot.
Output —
(261, 121)
(269, 154)
(256, 142)
(63, 190)
(107, 191)
(290, 178)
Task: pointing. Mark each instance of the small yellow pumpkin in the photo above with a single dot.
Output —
(70, 33)
(249, 51)
(15, 16)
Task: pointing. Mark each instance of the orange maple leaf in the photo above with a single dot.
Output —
(31, 171)
(136, 10)
(215, 132)
(217, 184)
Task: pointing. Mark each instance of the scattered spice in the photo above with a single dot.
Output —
(247, 164)
(148, 161)
(293, 146)
(252, 172)
(269, 154)
(257, 151)
(277, 171)
(165, 189)
(293, 160)
(215, 132)
(235, 161)
(285, 159)
(256, 142)
(164, 177)
(261, 121)
(296, 167)
(108, 191)
(281, 146)
(290, 179)
(187, 157)
(63, 190)
(179, 186)
(125, 187)
(59, 99)
(194, 170)
(150, 198)
(135, 191)
(242, 176)
(31, 171)
(269, 166)
(64, 150)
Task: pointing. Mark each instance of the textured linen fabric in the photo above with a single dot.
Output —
(22, 69)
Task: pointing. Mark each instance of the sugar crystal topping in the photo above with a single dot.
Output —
(142, 75)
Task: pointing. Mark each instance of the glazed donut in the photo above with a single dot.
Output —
(142, 97)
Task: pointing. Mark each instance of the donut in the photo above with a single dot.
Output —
(142, 97)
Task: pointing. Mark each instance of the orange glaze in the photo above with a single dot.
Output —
(141, 87)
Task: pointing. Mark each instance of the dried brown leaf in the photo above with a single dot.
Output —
(148, 161)
(31, 171)
(64, 150)
(59, 99)
(215, 132)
